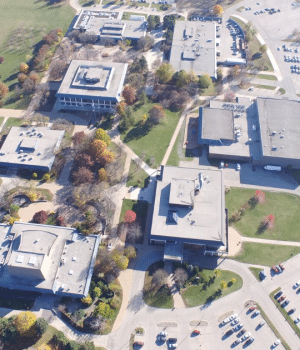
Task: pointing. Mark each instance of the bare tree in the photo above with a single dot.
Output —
(95, 323)
(159, 277)
(145, 43)
(134, 232)
(180, 276)
(57, 69)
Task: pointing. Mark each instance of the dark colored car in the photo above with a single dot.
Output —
(290, 312)
(229, 332)
(285, 303)
(277, 295)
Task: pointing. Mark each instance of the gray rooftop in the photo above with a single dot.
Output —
(109, 25)
(180, 214)
(217, 124)
(30, 146)
(47, 258)
(93, 79)
(194, 47)
(279, 127)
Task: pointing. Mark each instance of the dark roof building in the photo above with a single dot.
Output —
(189, 209)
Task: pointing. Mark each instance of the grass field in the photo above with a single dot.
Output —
(266, 87)
(179, 153)
(150, 141)
(255, 271)
(266, 76)
(9, 123)
(284, 206)
(265, 254)
(200, 295)
(254, 45)
(23, 25)
(136, 176)
(282, 91)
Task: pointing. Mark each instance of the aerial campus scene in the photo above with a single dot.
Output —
(149, 174)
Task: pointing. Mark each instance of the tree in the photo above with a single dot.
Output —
(95, 324)
(233, 280)
(40, 217)
(44, 347)
(24, 68)
(223, 285)
(130, 216)
(82, 175)
(159, 278)
(87, 300)
(87, 345)
(169, 22)
(97, 147)
(263, 48)
(60, 221)
(59, 341)
(103, 310)
(165, 72)
(122, 262)
(28, 86)
(218, 10)
(156, 114)
(102, 176)
(259, 196)
(129, 94)
(143, 98)
(3, 90)
(84, 160)
(153, 22)
(219, 75)
(193, 77)
(134, 232)
(180, 276)
(96, 292)
(22, 77)
(78, 138)
(205, 81)
(57, 69)
(218, 273)
(121, 107)
(130, 252)
(234, 71)
(102, 135)
(34, 77)
(229, 97)
(72, 345)
(139, 65)
(25, 323)
(182, 78)
(107, 157)
(41, 326)
(145, 43)
(105, 263)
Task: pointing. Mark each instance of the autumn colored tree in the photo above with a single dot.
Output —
(102, 176)
(217, 273)
(84, 159)
(34, 77)
(269, 221)
(3, 90)
(165, 72)
(97, 147)
(223, 285)
(182, 78)
(60, 221)
(44, 347)
(40, 217)
(229, 97)
(82, 175)
(107, 157)
(259, 196)
(156, 114)
(129, 94)
(102, 135)
(25, 323)
(130, 252)
(205, 81)
(263, 48)
(78, 137)
(24, 68)
(218, 10)
(87, 300)
(22, 77)
(122, 262)
(121, 107)
(130, 216)
(57, 69)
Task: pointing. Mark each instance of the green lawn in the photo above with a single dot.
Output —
(151, 141)
(86, 3)
(137, 177)
(254, 45)
(255, 271)
(23, 25)
(210, 91)
(266, 76)
(288, 318)
(139, 4)
(126, 15)
(265, 254)
(1, 120)
(284, 206)
(282, 91)
(266, 87)
(160, 7)
(9, 123)
(179, 153)
(198, 295)
(156, 297)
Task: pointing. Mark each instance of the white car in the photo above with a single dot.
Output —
(235, 321)
(232, 317)
(297, 320)
(225, 321)
(276, 342)
(246, 336)
(109, 246)
(238, 166)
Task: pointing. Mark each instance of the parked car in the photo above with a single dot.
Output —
(262, 273)
(250, 340)
(296, 285)
(279, 268)
(281, 298)
(246, 336)
(256, 313)
(285, 303)
(138, 343)
(172, 343)
(276, 342)
(235, 321)
(225, 321)
(162, 336)
(290, 312)
(229, 332)
(262, 323)
(252, 308)
(243, 331)
(238, 327)
(196, 331)
(238, 167)
(232, 317)
(237, 341)
(277, 295)
(274, 268)
(282, 267)
(297, 320)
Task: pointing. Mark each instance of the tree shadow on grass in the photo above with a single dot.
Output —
(139, 131)
(11, 77)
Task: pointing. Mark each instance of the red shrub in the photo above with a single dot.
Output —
(40, 217)
(82, 175)
(60, 221)
(78, 138)
(130, 216)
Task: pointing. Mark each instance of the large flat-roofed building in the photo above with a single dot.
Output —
(194, 47)
(92, 85)
(46, 259)
(279, 127)
(31, 148)
(108, 25)
(189, 211)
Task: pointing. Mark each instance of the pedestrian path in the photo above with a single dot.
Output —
(269, 241)
(178, 301)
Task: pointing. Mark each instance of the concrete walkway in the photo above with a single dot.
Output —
(269, 241)
(178, 301)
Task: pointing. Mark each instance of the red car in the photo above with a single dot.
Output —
(281, 298)
(138, 343)
(283, 268)
(196, 331)
(253, 308)
(274, 268)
